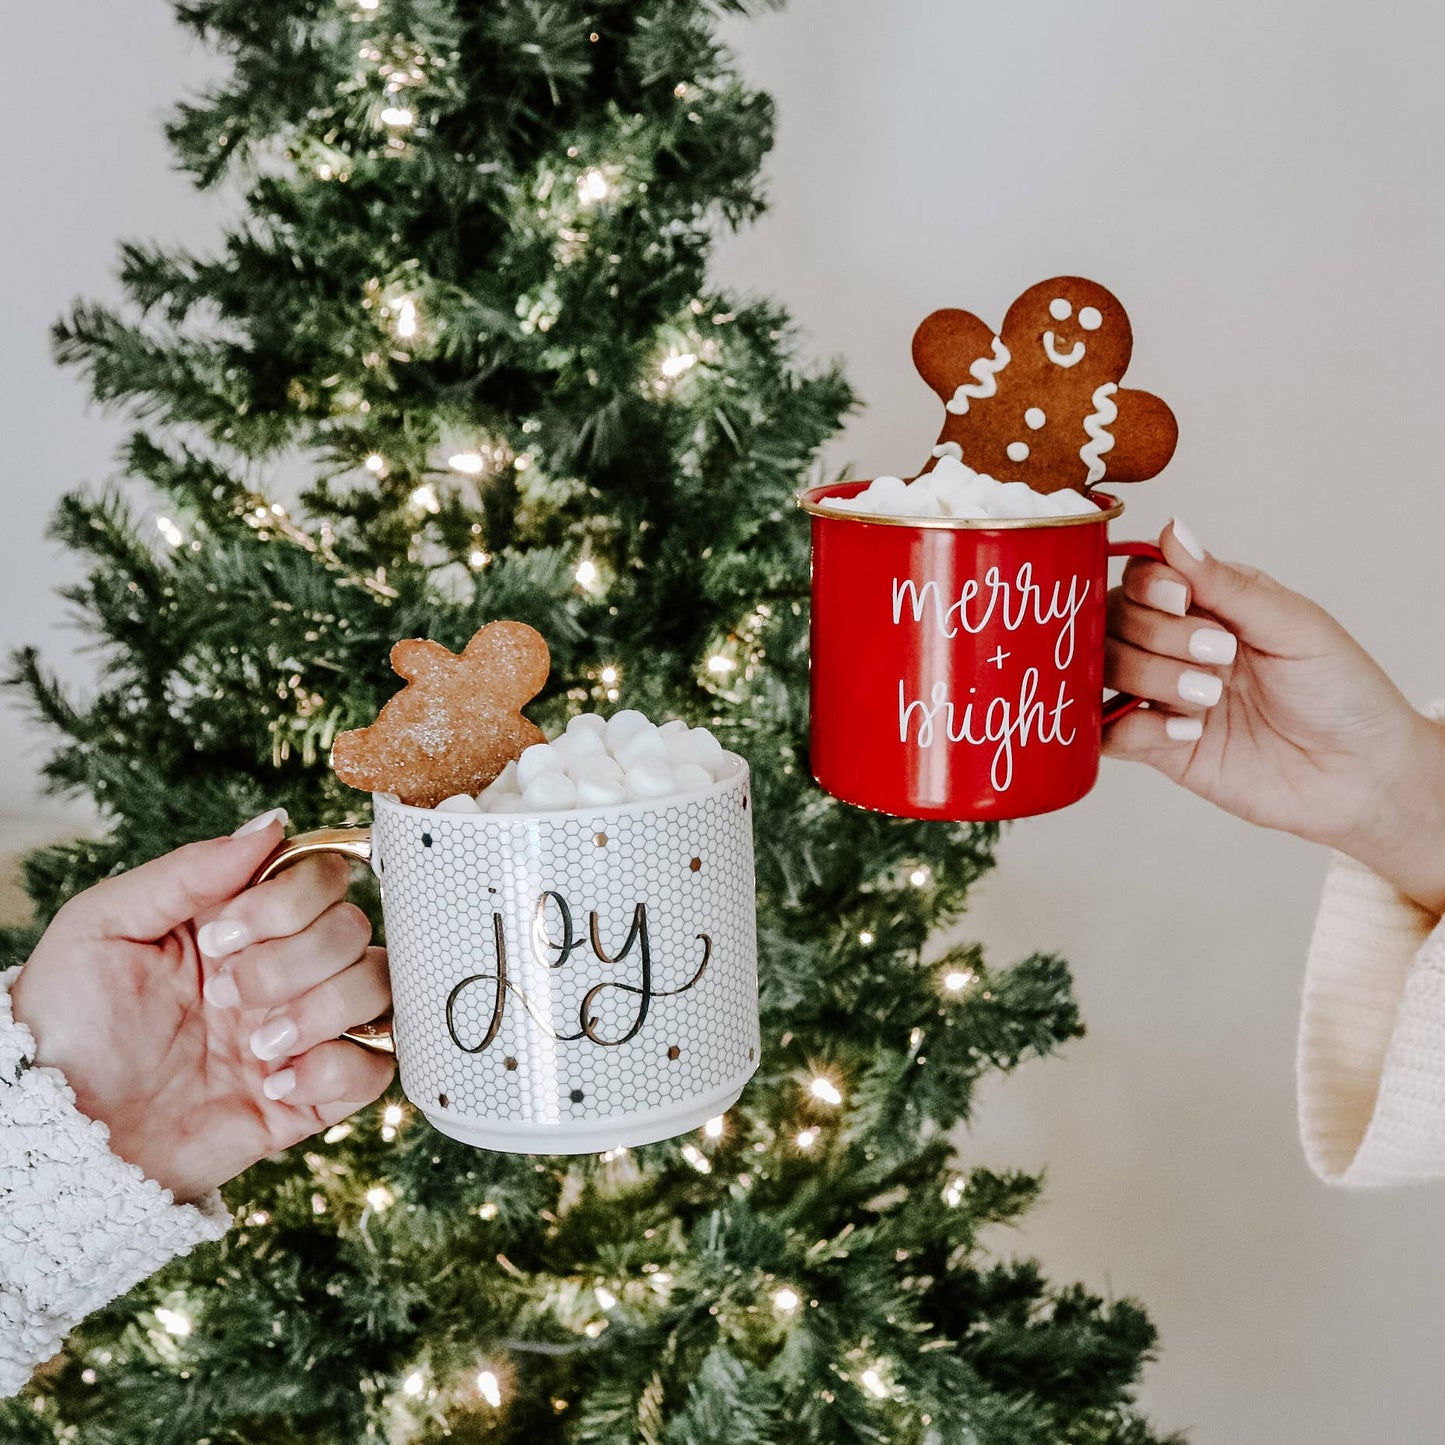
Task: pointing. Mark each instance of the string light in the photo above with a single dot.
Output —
(478, 558)
(609, 676)
(336, 1133)
(697, 1158)
(392, 1115)
(676, 363)
(258, 1217)
(593, 186)
(720, 666)
(318, 1204)
(406, 315)
(586, 574)
(806, 1138)
(380, 1198)
(873, 1383)
(490, 1389)
(953, 1191)
(367, 4)
(605, 1297)
(593, 1328)
(470, 464)
(173, 1322)
(425, 498)
(399, 117)
(920, 875)
(414, 1383)
(169, 531)
(618, 1153)
(714, 1127)
(865, 938)
(826, 1090)
(958, 979)
(375, 463)
(786, 1299)
(487, 1210)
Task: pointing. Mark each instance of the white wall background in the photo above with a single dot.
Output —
(1261, 181)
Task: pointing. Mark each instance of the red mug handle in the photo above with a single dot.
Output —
(1124, 702)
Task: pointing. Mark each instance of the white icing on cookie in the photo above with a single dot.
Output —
(1060, 309)
(1072, 357)
(1097, 424)
(1018, 451)
(985, 374)
(1090, 318)
(1034, 418)
(949, 449)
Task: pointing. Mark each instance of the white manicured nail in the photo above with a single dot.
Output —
(265, 820)
(1169, 596)
(1184, 729)
(1187, 539)
(279, 1084)
(221, 991)
(222, 936)
(1203, 688)
(1213, 644)
(274, 1039)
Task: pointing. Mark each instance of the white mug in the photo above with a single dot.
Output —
(565, 982)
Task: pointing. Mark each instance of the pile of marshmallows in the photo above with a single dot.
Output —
(954, 489)
(599, 761)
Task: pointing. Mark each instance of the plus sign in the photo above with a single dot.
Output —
(998, 657)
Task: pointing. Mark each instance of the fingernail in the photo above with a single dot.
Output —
(264, 821)
(221, 991)
(1187, 539)
(279, 1084)
(273, 1039)
(1184, 729)
(222, 936)
(1213, 644)
(1203, 688)
(1169, 596)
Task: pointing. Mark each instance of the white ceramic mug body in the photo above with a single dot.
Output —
(572, 982)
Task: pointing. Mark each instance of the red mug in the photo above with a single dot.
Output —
(958, 665)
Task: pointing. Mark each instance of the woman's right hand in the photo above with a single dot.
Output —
(1264, 705)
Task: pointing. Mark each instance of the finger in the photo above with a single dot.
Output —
(1262, 612)
(335, 1079)
(1151, 584)
(1154, 736)
(281, 969)
(1189, 639)
(281, 906)
(151, 900)
(354, 996)
(1160, 679)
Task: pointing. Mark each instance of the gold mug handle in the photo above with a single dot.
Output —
(350, 843)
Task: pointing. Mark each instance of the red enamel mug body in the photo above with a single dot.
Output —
(958, 666)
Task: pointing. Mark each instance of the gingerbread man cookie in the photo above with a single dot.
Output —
(1040, 402)
(456, 724)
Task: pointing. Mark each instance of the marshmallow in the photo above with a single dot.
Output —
(649, 744)
(600, 792)
(597, 770)
(538, 759)
(587, 722)
(704, 746)
(690, 777)
(581, 743)
(550, 789)
(623, 725)
(953, 489)
(650, 777)
(458, 803)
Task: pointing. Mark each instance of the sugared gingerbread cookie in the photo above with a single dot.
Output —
(456, 724)
(1040, 402)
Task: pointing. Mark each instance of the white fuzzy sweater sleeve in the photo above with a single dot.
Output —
(78, 1225)
(1371, 1060)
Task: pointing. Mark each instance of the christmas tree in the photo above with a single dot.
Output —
(459, 360)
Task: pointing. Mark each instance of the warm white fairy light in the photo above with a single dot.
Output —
(720, 666)
(487, 1210)
(336, 1133)
(375, 463)
(399, 117)
(89, 1377)
(173, 1322)
(953, 1191)
(470, 464)
(697, 1158)
(406, 322)
(865, 938)
(806, 1138)
(609, 676)
(392, 1115)
(258, 1217)
(786, 1300)
(169, 531)
(593, 1328)
(873, 1382)
(586, 574)
(318, 1204)
(490, 1389)
(920, 875)
(611, 1154)
(425, 498)
(414, 1383)
(605, 1297)
(826, 1090)
(675, 363)
(477, 558)
(367, 4)
(380, 1198)
(593, 186)
(714, 1127)
(958, 979)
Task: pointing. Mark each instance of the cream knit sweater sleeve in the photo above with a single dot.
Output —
(78, 1225)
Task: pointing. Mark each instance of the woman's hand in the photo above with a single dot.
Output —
(198, 1018)
(1264, 705)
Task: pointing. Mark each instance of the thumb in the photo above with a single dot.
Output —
(151, 900)
(1261, 612)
